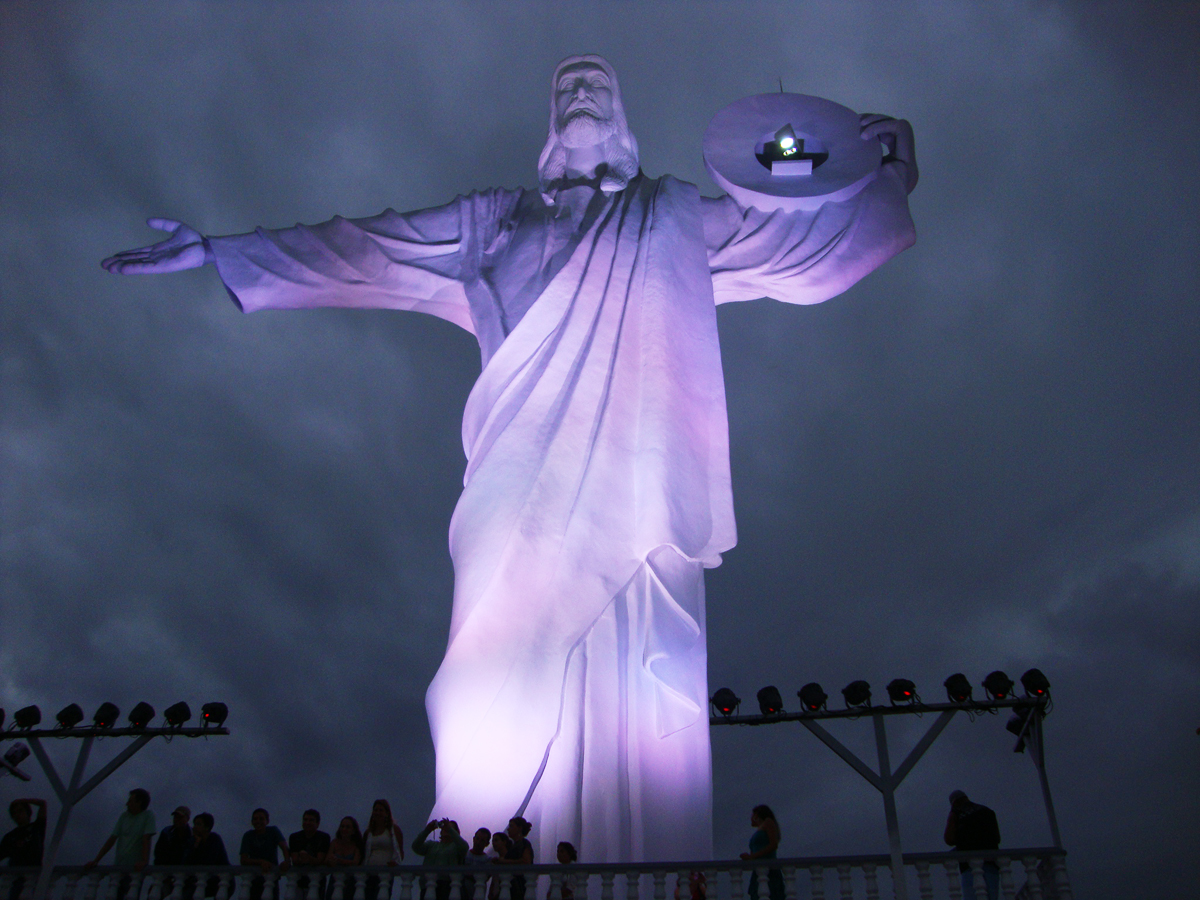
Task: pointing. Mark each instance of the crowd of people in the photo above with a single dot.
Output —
(191, 841)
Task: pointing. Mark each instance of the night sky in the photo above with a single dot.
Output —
(984, 455)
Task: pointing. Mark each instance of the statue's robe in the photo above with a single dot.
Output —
(597, 486)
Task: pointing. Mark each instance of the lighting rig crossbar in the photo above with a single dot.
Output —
(1026, 724)
(24, 727)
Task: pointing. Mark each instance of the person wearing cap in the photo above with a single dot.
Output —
(970, 827)
(173, 841)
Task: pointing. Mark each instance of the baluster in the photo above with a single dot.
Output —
(737, 883)
(924, 882)
(505, 886)
(953, 880)
(91, 886)
(1062, 884)
(872, 881)
(110, 886)
(683, 884)
(314, 887)
(816, 877)
(222, 885)
(339, 887)
(68, 891)
(632, 883)
(711, 880)
(154, 892)
(978, 885)
(456, 886)
(844, 882)
(760, 876)
(660, 884)
(790, 889)
(270, 883)
(360, 886)
(606, 885)
(385, 887)
(1007, 888)
(556, 886)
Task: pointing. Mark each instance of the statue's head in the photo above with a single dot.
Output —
(586, 111)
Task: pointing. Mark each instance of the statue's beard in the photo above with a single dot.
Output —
(584, 130)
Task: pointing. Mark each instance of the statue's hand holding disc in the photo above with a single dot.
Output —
(896, 135)
(184, 249)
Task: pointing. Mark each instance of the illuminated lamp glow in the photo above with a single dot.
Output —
(769, 701)
(177, 714)
(901, 690)
(726, 702)
(141, 715)
(812, 698)
(106, 715)
(998, 685)
(214, 714)
(1035, 683)
(69, 716)
(958, 689)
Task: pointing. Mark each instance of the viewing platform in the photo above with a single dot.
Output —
(1029, 873)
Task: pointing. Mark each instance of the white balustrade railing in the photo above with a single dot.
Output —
(1020, 874)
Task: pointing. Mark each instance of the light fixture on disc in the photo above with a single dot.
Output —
(742, 140)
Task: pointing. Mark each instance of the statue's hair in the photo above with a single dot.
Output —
(620, 149)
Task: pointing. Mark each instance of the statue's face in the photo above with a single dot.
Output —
(583, 104)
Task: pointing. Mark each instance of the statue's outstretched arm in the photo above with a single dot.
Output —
(184, 249)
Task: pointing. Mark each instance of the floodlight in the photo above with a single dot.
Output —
(1, 719)
(141, 715)
(769, 701)
(1035, 683)
(27, 718)
(857, 693)
(214, 714)
(178, 714)
(901, 690)
(785, 140)
(998, 685)
(1018, 724)
(726, 702)
(16, 754)
(958, 689)
(69, 716)
(812, 698)
(106, 715)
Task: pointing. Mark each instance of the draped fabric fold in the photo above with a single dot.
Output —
(597, 453)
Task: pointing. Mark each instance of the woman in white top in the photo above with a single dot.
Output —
(383, 844)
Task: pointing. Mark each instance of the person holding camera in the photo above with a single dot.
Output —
(449, 850)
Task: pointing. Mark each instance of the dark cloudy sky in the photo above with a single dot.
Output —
(983, 456)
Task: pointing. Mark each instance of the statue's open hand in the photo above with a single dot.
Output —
(897, 137)
(184, 249)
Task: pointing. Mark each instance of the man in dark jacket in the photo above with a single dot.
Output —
(207, 849)
(970, 827)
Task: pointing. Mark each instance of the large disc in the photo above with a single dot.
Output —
(842, 162)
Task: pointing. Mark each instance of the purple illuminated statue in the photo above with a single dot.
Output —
(597, 487)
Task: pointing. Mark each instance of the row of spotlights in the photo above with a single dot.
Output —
(177, 715)
(901, 691)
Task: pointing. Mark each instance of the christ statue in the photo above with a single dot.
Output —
(597, 488)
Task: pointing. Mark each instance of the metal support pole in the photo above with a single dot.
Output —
(1039, 760)
(888, 789)
(71, 794)
(67, 799)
